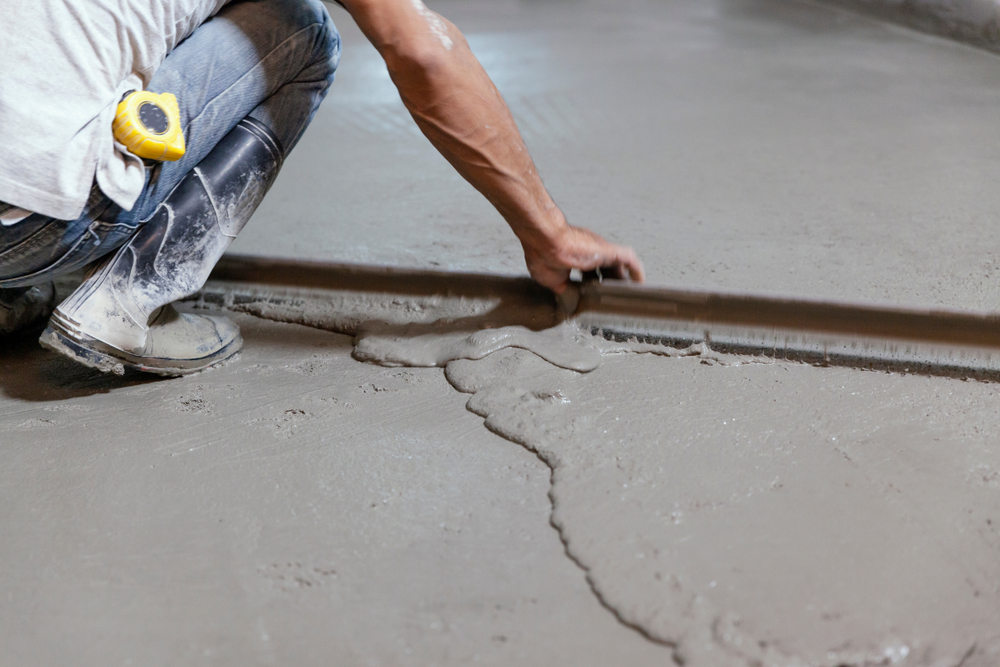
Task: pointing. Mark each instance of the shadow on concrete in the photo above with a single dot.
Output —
(32, 373)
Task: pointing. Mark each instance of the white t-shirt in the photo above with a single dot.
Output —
(64, 66)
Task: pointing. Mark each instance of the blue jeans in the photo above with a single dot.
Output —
(273, 60)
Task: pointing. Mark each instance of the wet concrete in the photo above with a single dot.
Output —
(300, 507)
(294, 507)
(755, 513)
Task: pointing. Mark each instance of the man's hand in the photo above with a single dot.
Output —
(577, 248)
(460, 111)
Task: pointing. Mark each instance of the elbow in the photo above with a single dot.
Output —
(421, 76)
(423, 57)
(417, 63)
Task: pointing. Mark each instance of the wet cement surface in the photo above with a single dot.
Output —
(295, 507)
(301, 507)
(769, 513)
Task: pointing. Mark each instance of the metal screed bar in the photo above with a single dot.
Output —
(934, 341)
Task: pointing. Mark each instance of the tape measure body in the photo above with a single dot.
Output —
(149, 126)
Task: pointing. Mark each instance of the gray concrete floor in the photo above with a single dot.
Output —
(298, 507)
(292, 508)
(742, 145)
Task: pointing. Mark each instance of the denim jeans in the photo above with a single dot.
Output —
(273, 60)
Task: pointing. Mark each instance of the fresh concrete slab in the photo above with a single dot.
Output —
(295, 507)
(300, 507)
(759, 513)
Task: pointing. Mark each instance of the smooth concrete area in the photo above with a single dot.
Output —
(755, 513)
(741, 145)
(976, 22)
(299, 507)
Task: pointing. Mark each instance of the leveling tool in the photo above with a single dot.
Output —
(149, 125)
(933, 342)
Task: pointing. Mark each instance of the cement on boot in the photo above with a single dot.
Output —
(120, 314)
(175, 344)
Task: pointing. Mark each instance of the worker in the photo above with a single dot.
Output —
(247, 77)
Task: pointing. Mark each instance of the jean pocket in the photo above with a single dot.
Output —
(98, 239)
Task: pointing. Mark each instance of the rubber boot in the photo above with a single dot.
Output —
(120, 316)
(24, 307)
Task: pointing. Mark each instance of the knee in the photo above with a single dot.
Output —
(328, 42)
(310, 17)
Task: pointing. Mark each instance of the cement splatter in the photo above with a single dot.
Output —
(437, 27)
(193, 401)
(292, 577)
(565, 346)
(34, 423)
(285, 424)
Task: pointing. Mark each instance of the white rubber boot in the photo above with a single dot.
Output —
(120, 316)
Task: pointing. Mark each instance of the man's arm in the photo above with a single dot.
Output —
(458, 108)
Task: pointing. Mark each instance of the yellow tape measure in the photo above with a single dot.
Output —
(149, 126)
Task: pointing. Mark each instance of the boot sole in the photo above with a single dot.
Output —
(99, 355)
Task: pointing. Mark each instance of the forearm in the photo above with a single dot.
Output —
(459, 109)
(461, 112)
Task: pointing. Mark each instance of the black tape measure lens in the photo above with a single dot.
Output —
(154, 118)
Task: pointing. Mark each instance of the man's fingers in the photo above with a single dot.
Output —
(612, 271)
(582, 249)
(622, 263)
(617, 271)
(636, 269)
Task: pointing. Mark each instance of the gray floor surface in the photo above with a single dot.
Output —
(297, 507)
